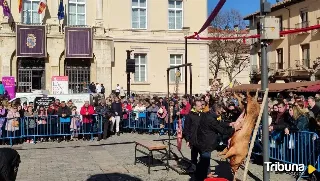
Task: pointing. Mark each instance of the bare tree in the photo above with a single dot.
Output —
(230, 56)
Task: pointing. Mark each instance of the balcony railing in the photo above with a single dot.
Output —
(303, 24)
(255, 68)
(273, 66)
(306, 62)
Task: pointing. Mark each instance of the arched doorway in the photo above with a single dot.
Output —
(78, 71)
(31, 74)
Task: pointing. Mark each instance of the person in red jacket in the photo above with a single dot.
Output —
(126, 109)
(186, 108)
(87, 111)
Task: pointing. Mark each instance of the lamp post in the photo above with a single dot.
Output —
(186, 32)
(264, 9)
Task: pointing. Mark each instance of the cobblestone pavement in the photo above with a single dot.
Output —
(107, 160)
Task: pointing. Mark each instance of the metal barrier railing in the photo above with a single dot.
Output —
(299, 147)
(148, 121)
(53, 126)
(49, 126)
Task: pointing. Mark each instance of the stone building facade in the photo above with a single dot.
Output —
(155, 33)
(293, 57)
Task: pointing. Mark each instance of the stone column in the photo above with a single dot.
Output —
(99, 12)
(54, 10)
(54, 22)
(99, 30)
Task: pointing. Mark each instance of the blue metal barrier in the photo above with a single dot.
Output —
(295, 148)
(147, 121)
(49, 126)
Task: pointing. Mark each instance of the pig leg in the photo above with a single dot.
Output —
(223, 152)
(235, 163)
(231, 152)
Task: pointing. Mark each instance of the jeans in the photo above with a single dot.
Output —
(116, 120)
(203, 166)
(194, 157)
(64, 128)
(104, 129)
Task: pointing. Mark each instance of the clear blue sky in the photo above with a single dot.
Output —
(244, 6)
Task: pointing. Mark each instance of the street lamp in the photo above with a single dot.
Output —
(186, 32)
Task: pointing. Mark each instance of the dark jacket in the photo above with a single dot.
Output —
(64, 110)
(116, 107)
(52, 116)
(301, 124)
(207, 132)
(104, 111)
(191, 124)
(9, 160)
(282, 122)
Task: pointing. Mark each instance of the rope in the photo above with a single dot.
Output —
(255, 135)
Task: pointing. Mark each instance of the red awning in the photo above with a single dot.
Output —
(311, 88)
(278, 87)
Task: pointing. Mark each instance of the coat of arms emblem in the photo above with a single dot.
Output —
(31, 41)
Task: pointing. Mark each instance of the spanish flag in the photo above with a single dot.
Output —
(42, 6)
(20, 5)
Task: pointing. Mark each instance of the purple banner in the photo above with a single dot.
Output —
(78, 42)
(31, 41)
(9, 86)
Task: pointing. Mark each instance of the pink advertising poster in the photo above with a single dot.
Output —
(9, 86)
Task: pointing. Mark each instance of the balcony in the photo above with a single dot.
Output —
(273, 66)
(303, 24)
(306, 63)
(255, 69)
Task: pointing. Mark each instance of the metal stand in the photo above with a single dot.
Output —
(128, 75)
(174, 156)
(264, 86)
(186, 68)
(170, 152)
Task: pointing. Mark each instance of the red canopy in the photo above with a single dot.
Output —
(311, 88)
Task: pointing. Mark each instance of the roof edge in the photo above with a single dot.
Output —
(275, 7)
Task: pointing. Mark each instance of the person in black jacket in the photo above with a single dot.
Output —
(191, 124)
(279, 124)
(116, 108)
(9, 164)
(64, 113)
(207, 136)
(105, 112)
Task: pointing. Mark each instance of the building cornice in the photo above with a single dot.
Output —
(163, 40)
(126, 39)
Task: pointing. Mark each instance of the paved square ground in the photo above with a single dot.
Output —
(107, 160)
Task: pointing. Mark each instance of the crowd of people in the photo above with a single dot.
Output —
(209, 120)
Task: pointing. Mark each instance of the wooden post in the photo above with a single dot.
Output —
(253, 139)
